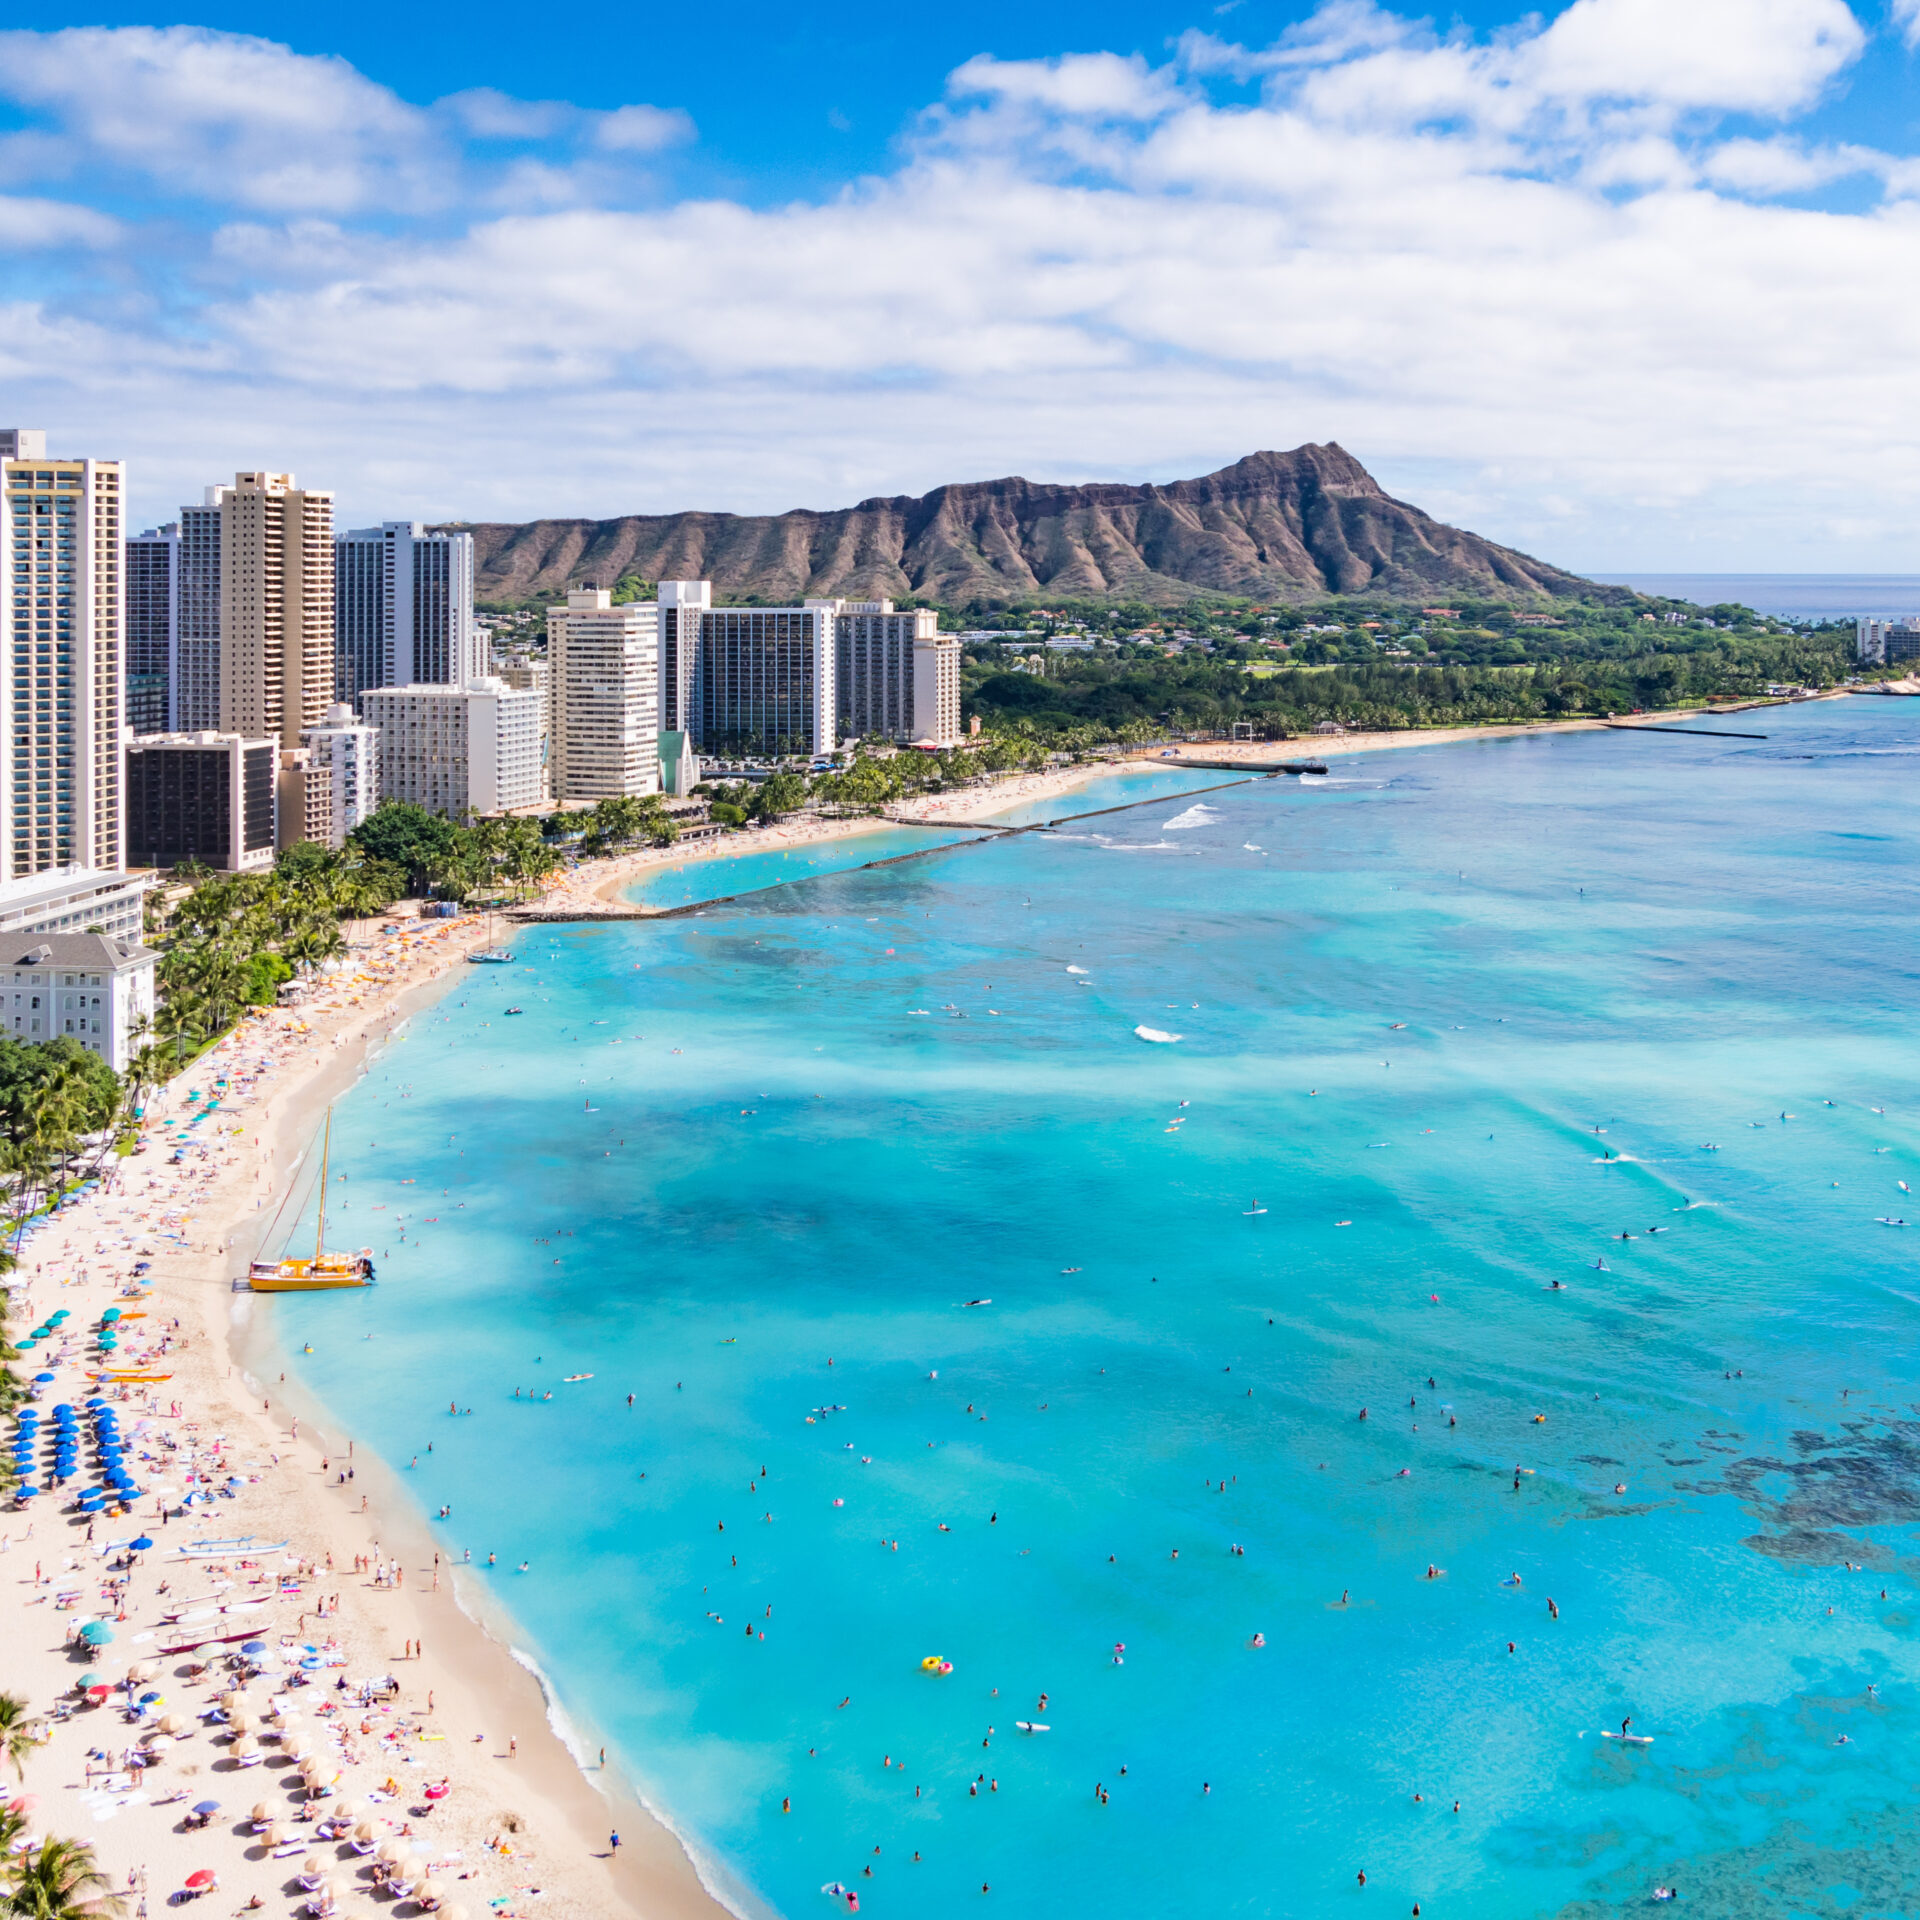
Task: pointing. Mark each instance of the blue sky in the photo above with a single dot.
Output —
(1625, 282)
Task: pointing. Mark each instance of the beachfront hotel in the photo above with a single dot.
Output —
(276, 607)
(605, 668)
(350, 750)
(86, 987)
(459, 750)
(74, 900)
(62, 640)
(897, 675)
(202, 796)
(403, 609)
(788, 680)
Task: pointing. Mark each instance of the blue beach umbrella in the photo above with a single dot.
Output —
(45, 1379)
(96, 1633)
(142, 1544)
(26, 1493)
(254, 1646)
(208, 1806)
(149, 1699)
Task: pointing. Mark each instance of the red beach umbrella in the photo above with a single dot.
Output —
(25, 1803)
(201, 1881)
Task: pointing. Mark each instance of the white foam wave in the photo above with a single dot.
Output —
(1154, 1034)
(709, 1872)
(1199, 815)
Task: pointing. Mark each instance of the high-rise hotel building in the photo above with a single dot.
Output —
(62, 641)
(897, 675)
(276, 608)
(193, 659)
(790, 680)
(605, 664)
(153, 612)
(403, 609)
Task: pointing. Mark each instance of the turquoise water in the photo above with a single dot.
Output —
(687, 883)
(723, 1164)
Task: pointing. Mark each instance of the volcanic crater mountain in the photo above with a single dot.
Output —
(1274, 526)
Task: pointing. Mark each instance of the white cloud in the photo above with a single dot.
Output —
(222, 116)
(641, 129)
(1906, 16)
(1092, 85)
(1531, 274)
(245, 122)
(1752, 56)
(36, 224)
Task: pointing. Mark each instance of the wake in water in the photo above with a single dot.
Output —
(1197, 815)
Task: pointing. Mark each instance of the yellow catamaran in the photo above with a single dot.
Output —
(325, 1270)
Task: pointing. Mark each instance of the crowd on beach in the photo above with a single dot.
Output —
(202, 1650)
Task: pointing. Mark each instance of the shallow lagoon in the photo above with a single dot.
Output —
(718, 1152)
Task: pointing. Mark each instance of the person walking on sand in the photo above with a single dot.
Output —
(613, 1842)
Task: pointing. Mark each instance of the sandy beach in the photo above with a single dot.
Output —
(336, 1577)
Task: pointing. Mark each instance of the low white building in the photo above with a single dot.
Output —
(78, 986)
(458, 750)
(350, 750)
(74, 900)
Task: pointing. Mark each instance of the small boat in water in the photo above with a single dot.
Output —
(491, 957)
(325, 1271)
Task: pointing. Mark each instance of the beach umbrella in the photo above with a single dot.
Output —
(454, 1912)
(98, 1692)
(363, 1830)
(26, 1493)
(202, 1881)
(297, 1748)
(393, 1852)
(23, 1803)
(275, 1835)
(252, 1646)
(240, 1722)
(148, 1699)
(244, 1747)
(262, 1810)
(207, 1806)
(96, 1633)
(173, 1724)
(141, 1670)
(44, 1379)
(142, 1544)
(352, 1810)
(431, 1889)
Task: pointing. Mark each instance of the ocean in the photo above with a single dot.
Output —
(1477, 1329)
(1786, 596)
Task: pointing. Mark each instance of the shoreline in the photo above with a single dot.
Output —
(597, 892)
(222, 1369)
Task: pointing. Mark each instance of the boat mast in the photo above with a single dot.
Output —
(326, 1147)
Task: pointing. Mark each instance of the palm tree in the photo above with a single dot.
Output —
(59, 1881)
(19, 1733)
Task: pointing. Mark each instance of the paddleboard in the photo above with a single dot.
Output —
(1627, 1739)
(1033, 1726)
